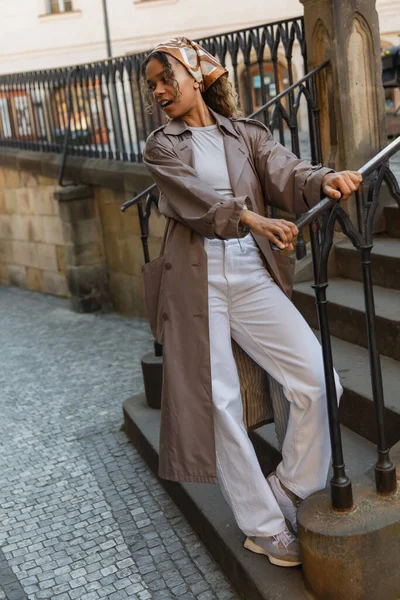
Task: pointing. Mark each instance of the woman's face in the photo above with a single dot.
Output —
(174, 105)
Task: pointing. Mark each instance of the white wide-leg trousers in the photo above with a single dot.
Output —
(245, 303)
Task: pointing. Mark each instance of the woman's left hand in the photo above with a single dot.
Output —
(342, 184)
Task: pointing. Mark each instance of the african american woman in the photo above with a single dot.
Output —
(218, 298)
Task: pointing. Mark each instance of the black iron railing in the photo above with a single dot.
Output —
(107, 112)
(323, 218)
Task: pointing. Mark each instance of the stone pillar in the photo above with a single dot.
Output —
(350, 91)
(85, 262)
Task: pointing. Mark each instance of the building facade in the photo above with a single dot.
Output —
(48, 34)
(41, 34)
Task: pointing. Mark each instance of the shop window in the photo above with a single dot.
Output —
(271, 86)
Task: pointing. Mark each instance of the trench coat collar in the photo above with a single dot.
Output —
(178, 126)
(236, 151)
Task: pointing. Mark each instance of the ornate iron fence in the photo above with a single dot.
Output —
(107, 117)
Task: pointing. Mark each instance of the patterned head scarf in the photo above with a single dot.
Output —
(201, 64)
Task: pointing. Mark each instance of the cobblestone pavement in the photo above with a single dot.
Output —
(81, 515)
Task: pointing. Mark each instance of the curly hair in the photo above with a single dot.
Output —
(221, 96)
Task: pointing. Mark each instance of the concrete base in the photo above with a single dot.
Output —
(355, 555)
(152, 369)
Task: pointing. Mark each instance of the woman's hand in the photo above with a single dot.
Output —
(278, 231)
(342, 184)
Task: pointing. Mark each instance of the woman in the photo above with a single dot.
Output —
(221, 304)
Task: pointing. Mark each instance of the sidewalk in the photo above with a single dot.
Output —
(81, 515)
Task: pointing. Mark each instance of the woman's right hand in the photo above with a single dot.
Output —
(278, 231)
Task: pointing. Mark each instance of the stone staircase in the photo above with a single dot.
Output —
(349, 346)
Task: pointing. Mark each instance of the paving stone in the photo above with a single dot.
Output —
(81, 515)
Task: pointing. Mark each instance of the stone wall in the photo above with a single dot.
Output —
(74, 242)
(32, 252)
(123, 248)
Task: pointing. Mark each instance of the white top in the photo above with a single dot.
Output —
(210, 159)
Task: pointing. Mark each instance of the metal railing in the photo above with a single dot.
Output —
(323, 217)
(108, 118)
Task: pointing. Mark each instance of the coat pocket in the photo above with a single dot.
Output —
(152, 283)
(286, 266)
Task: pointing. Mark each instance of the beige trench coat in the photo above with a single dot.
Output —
(176, 288)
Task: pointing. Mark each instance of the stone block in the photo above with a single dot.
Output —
(10, 201)
(86, 231)
(88, 286)
(42, 201)
(6, 251)
(24, 201)
(17, 276)
(25, 253)
(109, 204)
(28, 179)
(2, 202)
(84, 280)
(11, 179)
(77, 210)
(61, 262)
(67, 231)
(35, 279)
(84, 254)
(52, 230)
(354, 554)
(27, 228)
(72, 192)
(5, 227)
(123, 254)
(19, 227)
(56, 206)
(55, 284)
(47, 257)
(43, 180)
(157, 224)
(126, 293)
(130, 221)
(35, 228)
(3, 273)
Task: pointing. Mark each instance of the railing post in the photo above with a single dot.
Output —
(341, 489)
(144, 236)
(385, 471)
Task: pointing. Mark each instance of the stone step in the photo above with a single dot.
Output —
(347, 315)
(356, 407)
(385, 259)
(392, 218)
(210, 516)
(359, 454)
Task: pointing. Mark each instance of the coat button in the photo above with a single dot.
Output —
(168, 266)
(165, 316)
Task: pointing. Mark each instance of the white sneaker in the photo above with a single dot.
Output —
(282, 550)
(287, 500)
